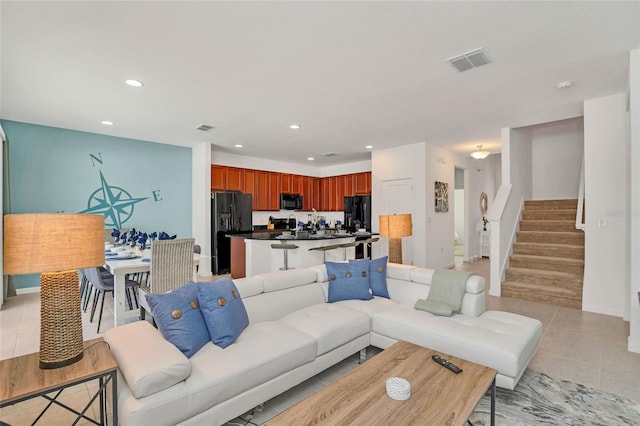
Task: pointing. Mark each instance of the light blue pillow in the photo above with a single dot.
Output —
(179, 319)
(223, 311)
(348, 281)
(378, 277)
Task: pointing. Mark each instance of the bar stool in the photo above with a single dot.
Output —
(286, 247)
(325, 249)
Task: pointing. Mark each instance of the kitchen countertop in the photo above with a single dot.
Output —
(277, 236)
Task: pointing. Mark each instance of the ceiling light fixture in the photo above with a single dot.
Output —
(134, 83)
(238, 145)
(294, 127)
(480, 154)
(565, 84)
(369, 147)
(310, 158)
(107, 122)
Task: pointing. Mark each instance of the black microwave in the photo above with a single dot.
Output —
(290, 202)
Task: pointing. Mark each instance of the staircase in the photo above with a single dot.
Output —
(547, 264)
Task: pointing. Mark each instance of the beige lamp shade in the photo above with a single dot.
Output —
(55, 245)
(395, 225)
(52, 242)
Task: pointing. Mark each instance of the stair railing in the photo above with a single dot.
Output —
(580, 209)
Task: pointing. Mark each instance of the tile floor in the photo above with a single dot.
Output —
(583, 347)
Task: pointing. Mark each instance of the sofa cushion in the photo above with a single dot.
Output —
(148, 365)
(178, 317)
(223, 311)
(399, 271)
(348, 281)
(249, 286)
(280, 280)
(331, 325)
(499, 340)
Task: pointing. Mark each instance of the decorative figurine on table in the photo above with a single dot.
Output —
(116, 235)
(484, 223)
(153, 236)
(142, 240)
(338, 224)
(123, 238)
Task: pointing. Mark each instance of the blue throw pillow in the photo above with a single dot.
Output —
(179, 319)
(377, 275)
(348, 281)
(223, 311)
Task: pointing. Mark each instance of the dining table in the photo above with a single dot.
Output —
(120, 268)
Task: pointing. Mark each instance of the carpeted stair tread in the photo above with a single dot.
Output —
(550, 204)
(551, 225)
(550, 237)
(547, 263)
(541, 289)
(544, 277)
(547, 249)
(559, 214)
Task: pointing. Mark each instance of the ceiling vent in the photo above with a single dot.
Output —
(469, 60)
(205, 127)
(329, 154)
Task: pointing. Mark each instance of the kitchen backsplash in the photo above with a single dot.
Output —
(261, 218)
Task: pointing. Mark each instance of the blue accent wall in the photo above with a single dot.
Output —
(139, 184)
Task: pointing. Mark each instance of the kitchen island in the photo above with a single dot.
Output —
(259, 257)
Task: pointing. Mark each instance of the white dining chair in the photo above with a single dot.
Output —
(171, 267)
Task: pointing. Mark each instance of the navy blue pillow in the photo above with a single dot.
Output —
(223, 311)
(348, 281)
(179, 319)
(377, 275)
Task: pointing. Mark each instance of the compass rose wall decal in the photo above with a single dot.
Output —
(113, 202)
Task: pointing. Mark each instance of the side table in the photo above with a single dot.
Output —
(21, 378)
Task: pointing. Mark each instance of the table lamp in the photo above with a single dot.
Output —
(55, 245)
(394, 227)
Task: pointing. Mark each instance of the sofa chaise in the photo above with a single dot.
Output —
(293, 334)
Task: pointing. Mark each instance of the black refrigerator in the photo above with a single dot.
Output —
(357, 209)
(230, 214)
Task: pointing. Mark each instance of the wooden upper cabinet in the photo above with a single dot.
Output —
(261, 188)
(348, 186)
(248, 185)
(285, 183)
(235, 179)
(274, 191)
(339, 192)
(296, 184)
(362, 184)
(218, 178)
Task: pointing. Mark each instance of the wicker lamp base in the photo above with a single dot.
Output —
(60, 319)
(395, 250)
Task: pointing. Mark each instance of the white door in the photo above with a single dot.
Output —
(397, 197)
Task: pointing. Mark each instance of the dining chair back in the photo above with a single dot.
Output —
(171, 267)
(103, 284)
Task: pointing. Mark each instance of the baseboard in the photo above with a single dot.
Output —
(605, 310)
(27, 290)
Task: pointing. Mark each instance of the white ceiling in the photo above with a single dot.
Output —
(350, 73)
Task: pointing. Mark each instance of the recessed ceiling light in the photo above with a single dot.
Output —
(107, 122)
(565, 84)
(310, 158)
(134, 83)
(294, 126)
(238, 145)
(369, 146)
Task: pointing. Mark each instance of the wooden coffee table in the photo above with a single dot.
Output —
(438, 396)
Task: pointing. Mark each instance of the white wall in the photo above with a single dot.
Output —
(556, 153)
(634, 222)
(404, 162)
(243, 161)
(459, 208)
(606, 207)
(201, 203)
(516, 187)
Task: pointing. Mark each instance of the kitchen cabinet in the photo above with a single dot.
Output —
(261, 191)
(310, 193)
(218, 178)
(339, 192)
(348, 186)
(285, 183)
(362, 183)
(296, 184)
(273, 197)
(248, 185)
(235, 179)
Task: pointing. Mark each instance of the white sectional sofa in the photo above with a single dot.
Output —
(293, 334)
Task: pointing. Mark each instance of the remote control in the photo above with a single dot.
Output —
(446, 364)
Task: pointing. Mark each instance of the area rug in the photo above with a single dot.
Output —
(542, 400)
